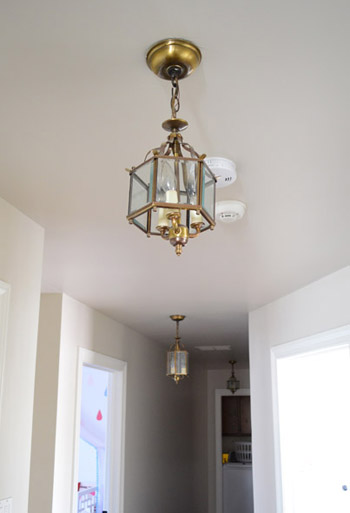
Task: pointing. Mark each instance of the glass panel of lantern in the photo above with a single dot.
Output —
(167, 183)
(181, 359)
(170, 363)
(167, 189)
(209, 191)
(140, 190)
(154, 223)
(141, 221)
(178, 183)
(182, 363)
(177, 176)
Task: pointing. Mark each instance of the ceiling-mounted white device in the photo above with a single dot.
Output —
(230, 211)
(213, 348)
(223, 169)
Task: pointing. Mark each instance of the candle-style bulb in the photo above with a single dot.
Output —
(168, 182)
(190, 180)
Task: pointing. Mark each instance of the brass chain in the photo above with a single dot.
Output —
(177, 330)
(175, 97)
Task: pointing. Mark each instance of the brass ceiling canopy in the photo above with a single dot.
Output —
(172, 192)
(177, 317)
(171, 55)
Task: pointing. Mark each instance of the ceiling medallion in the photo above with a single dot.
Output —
(172, 195)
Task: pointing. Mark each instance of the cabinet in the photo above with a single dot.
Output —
(236, 416)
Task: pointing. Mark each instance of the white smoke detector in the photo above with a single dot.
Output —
(230, 211)
(223, 169)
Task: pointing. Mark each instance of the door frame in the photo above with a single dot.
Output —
(5, 289)
(116, 425)
(219, 393)
(327, 339)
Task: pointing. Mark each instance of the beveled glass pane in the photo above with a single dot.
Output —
(141, 221)
(140, 188)
(159, 218)
(177, 363)
(194, 218)
(167, 181)
(205, 224)
(182, 363)
(170, 363)
(183, 199)
(177, 180)
(155, 216)
(208, 198)
(190, 169)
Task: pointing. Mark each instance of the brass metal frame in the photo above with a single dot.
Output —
(152, 206)
(173, 59)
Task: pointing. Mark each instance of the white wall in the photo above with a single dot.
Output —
(199, 436)
(321, 306)
(21, 251)
(45, 404)
(158, 413)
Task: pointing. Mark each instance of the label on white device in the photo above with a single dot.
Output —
(6, 505)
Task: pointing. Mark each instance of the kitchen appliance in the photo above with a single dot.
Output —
(237, 488)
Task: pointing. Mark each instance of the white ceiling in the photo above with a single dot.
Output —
(78, 105)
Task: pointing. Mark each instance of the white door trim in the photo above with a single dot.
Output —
(331, 338)
(116, 425)
(4, 313)
(219, 393)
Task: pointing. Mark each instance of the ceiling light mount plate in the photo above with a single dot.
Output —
(213, 348)
(173, 57)
(177, 317)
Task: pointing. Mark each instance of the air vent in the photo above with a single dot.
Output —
(213, 348)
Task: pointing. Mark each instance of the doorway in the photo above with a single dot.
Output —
(312, 423)
(94, 440)
(99, 437)
(219, 395)
(4, 309)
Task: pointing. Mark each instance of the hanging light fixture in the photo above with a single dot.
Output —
(172, 195)
(177, 356)
(233, 383)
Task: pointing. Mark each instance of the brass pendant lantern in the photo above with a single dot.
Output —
(172, 193)
(233, 383)
(177, 356)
